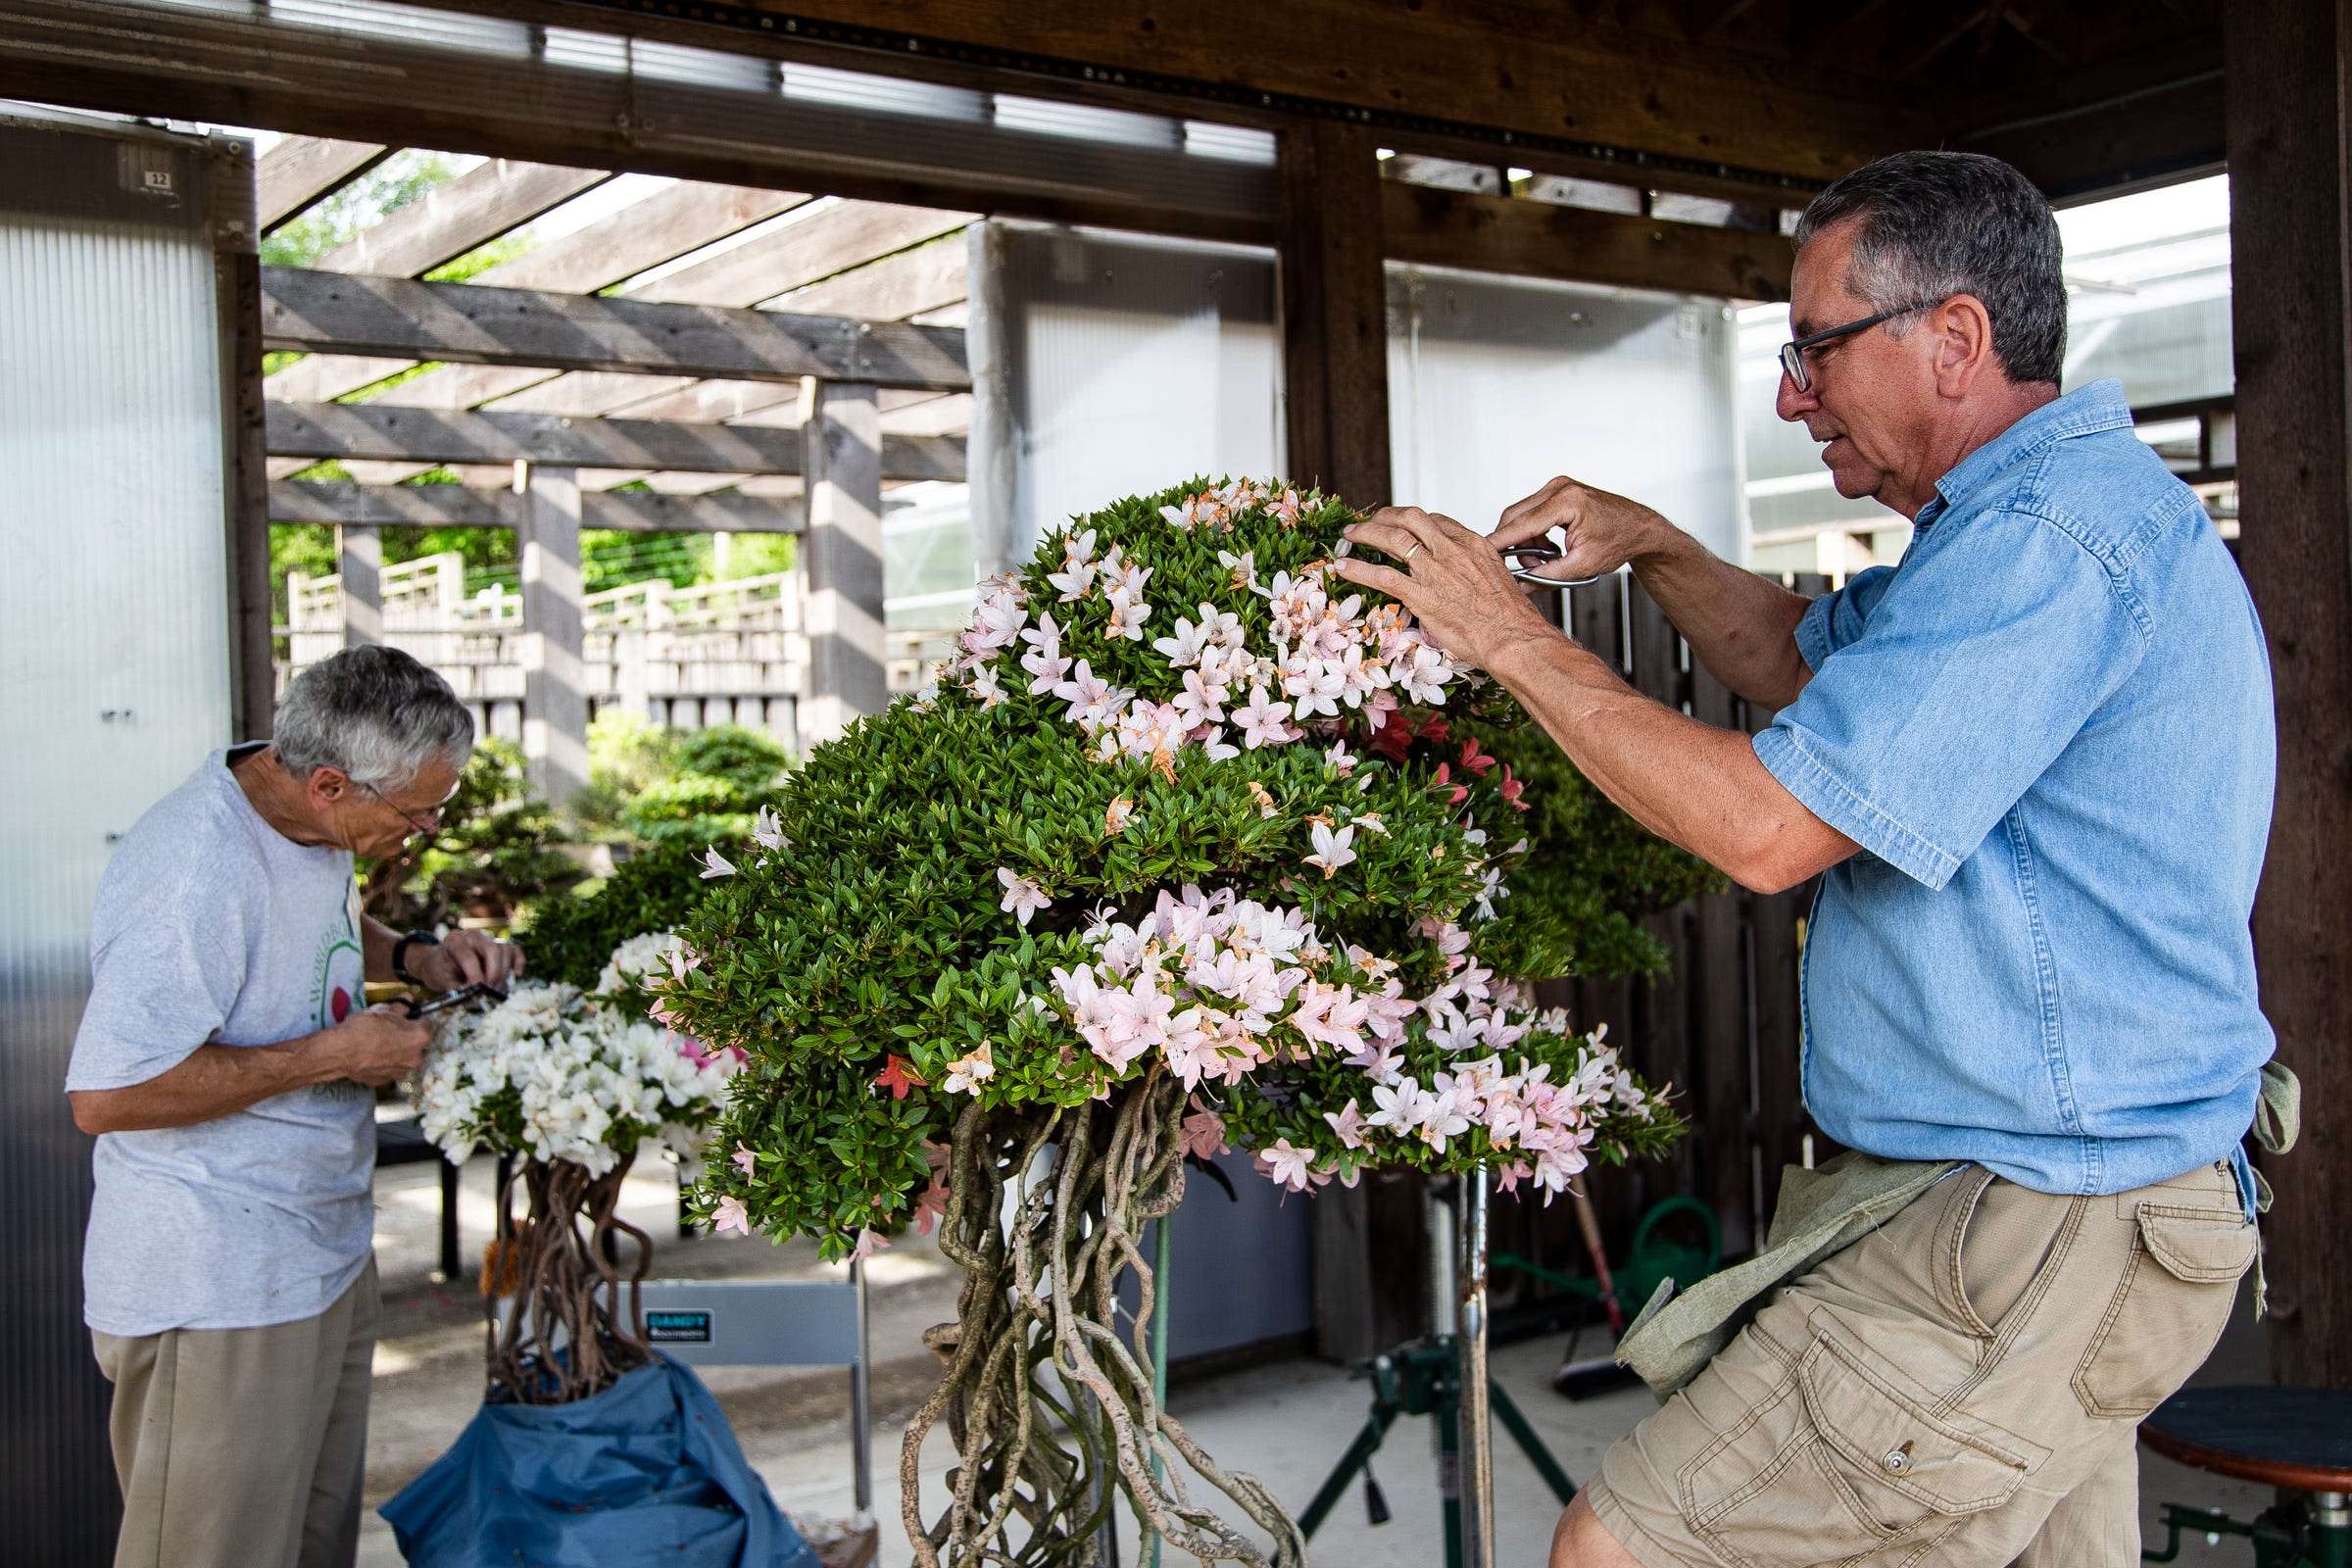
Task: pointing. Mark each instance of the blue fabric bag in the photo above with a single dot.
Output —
(646, 1472)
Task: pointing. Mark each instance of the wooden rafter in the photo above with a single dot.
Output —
(300, 170)
(338, 313)
(466, 505)
(447, 222)
(384, 433)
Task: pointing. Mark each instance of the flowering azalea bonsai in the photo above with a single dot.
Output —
(1193, 845)
(573, 1084)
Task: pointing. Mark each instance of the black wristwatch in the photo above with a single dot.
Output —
(400, 953)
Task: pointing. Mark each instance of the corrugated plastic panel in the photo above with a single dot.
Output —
(115, 670)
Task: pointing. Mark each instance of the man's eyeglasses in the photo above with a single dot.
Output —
(1792, 355)
(430, 822)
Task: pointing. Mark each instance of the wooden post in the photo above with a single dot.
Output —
(555, 701)
(361, 549)
(1335, 350)
(1334, 366)
(841, 445)
(990, 469)
(2285, 64)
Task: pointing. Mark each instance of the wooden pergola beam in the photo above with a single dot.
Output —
(335, 313)
(1577, 244)
(300, 170)
(447, 222)
(391, 433)
(465, 506)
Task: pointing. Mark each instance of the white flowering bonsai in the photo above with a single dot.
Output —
(572, 1085)
(1191, 845)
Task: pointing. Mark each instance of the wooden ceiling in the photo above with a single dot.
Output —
(2085, 94)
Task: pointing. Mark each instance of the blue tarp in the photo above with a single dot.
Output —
(646, 1472)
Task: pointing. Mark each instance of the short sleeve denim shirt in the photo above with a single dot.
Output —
(2050, 730)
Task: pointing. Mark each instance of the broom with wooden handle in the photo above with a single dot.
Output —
(1600, 1373)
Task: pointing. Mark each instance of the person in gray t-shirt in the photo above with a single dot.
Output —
(228, 1061)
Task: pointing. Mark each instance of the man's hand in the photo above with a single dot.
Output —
(1452, 580)
(376, 1047)
(379, 1046)
(465, 958)
(1598, 532)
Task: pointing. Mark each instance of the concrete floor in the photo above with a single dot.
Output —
(1287, 1423)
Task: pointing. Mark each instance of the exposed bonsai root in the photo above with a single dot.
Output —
(1051, 1413)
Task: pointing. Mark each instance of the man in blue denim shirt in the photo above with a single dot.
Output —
(2033, 766)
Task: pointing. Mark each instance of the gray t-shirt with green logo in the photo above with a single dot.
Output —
(212, 928)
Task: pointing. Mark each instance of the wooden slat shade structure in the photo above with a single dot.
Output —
(300, 170)
(307, 310)
(446, 223)
(391, 433)
(464, 506)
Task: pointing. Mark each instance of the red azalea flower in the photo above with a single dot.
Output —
(1478, 762)
(899, 1076)
(1513, 788)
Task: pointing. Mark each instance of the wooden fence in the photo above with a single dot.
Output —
(1721, 1025)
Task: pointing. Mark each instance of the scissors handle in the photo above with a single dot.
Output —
(455, 999)
(1518, 559)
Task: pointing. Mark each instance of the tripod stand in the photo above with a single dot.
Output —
(1424, 1378)
(1446, 1375)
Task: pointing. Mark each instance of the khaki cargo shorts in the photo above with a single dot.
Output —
(1960, 1387)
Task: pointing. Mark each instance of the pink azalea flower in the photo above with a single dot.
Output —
(1022, 895)
(730, 1215)
(716, 865)
(744, 1161)
(931, 1205)
(1263, 723)
(1203, 1132)
(1288, 1168)
(1348, 1124)
(868, 1244)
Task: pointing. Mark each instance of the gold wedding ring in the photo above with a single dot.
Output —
(1408, 555)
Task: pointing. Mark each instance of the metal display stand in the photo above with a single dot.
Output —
(1446, 1375)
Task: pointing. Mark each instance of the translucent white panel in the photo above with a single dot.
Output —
(410, 24)
(1495, 385)
(926, 557)
(1239, 143)
(114, 624)
(701, 68)
(1086, 123)
(1135, 364)
(857, 89)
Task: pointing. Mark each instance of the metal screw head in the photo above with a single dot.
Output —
(1897, 1460)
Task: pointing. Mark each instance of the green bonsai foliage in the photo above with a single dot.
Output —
(570, 937)
(1180, 808)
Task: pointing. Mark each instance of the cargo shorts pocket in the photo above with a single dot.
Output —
(2169, 1309)
(1843, 1466)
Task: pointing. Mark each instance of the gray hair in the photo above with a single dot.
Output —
(376, 713)
(1935, 224)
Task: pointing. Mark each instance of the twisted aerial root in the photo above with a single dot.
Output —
(563, 1335)
(1052, 1412)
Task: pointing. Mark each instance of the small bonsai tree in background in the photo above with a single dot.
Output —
(570, 937)
(1178, 855)
(493, 851)
(654, 786)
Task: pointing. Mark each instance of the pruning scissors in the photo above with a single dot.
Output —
(1522, 560)
(448, 1001)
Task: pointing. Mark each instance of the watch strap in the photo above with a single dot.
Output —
(400, 953)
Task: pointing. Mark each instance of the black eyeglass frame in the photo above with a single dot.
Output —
(1793, 353)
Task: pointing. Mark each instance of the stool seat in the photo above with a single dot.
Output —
(2300, 1438)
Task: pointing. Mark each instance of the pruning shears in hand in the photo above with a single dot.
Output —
(450, 1000)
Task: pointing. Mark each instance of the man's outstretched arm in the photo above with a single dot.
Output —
(1692, 784)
